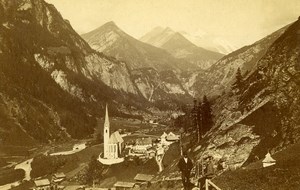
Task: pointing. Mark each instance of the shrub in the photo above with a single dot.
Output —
(11, 175)
(44, 165)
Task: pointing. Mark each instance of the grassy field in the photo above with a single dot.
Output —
(120, 123)
(284, 175)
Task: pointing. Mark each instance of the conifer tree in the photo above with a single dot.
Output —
(238, 80)
(94, 170)
(207, 117)
(196, 116)
(199, 117)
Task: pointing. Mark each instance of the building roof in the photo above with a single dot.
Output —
(268, 158)
(171, 134)
(124, 184)
(59, 175)
(115, 138)
(143, 177)
(42, 182)
(143, 141)
(164, 135)
(172, 137)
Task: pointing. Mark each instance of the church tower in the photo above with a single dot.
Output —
(106, 134)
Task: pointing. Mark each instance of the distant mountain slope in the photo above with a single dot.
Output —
(111, 40)
(176, 44)
(221, 75)
(210, 42)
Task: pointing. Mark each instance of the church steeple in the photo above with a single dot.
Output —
(106, 133)
(106, 121)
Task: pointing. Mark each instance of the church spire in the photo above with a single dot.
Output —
(106, 133)
(106, 121)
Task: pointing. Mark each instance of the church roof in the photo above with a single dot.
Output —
(115, 138)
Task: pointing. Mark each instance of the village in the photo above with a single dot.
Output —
(118, 148)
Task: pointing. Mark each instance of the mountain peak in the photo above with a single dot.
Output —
(169, 31)
(110, 23)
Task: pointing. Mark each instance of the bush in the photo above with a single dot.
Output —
(11, 175)
(44, 165)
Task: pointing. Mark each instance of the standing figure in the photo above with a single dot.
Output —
(185, 165)
(209, 171)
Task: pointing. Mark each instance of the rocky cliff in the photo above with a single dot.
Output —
(53, 85)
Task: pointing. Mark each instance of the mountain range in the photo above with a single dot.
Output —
(112, 41)
(54, 84)
(181, 48)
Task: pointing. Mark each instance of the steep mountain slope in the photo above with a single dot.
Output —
(264, 115)
(176, 44)
(261, 117)
(111, 40)
(221, 75)
(53, 85)
(163, 88)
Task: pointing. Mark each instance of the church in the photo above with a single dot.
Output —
(113, 144)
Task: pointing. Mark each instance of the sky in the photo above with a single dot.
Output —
(241, 22)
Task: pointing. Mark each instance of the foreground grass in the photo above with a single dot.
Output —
(284, 175)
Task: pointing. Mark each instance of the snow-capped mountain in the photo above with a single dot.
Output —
(181, 48)
(112, 41)
(210, 42)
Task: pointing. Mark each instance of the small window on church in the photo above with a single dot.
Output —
(106, 131)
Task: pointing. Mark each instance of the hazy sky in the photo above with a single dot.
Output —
(241, 22)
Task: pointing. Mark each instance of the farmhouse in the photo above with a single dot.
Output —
(42, 184)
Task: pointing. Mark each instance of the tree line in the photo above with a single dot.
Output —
(198, 118)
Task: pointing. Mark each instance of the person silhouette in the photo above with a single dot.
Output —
(185, 165)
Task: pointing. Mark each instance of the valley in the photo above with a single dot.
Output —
(105, 108)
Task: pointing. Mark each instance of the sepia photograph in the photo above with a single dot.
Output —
(149, 95)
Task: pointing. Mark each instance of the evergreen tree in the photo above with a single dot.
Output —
(207, 117)
(199, 117)
(196, 118)
(238, 80)
(94, 170)
(194, 113)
